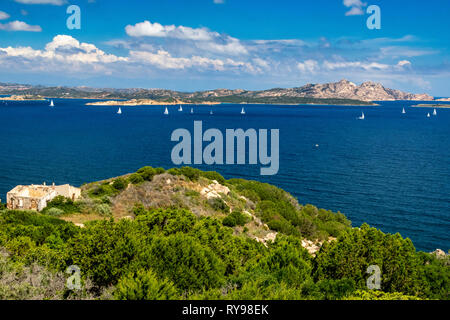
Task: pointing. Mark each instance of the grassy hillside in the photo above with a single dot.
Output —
(189, 234)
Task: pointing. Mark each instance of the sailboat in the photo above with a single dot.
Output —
(403, 111)
(180, 109)
(192, 110)
(119, 111)
(51, 103)
(243, 110)
(362, 117)
(211, 112)
(166, 111)
(434, 112)
(428, 115)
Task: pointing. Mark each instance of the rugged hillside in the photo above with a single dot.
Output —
(342, 92)
(188, 234)
(263, 210)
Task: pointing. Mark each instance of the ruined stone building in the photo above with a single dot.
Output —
(35, 197)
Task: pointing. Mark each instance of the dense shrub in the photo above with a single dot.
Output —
(66, 205)
(135, 178)
(147, 173)
(236, 218)
(144, 285)
(120, 184)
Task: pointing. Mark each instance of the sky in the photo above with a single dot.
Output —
(191, 45)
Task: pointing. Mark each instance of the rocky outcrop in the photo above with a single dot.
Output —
(344, 89)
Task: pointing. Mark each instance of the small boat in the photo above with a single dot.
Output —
(51, 103)
(362, 117)
(180, 108)
(434, 112)
(119, 111)
(166, 111)
(192, 110)
(403, 111)
(428, 115)
(243, 111)
(211, 112)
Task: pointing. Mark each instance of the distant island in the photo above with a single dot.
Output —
(22, 98)
(431, 106)
(143, 102)
(342, 92)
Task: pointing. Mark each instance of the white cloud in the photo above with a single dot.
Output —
(148, 29)
(354, 64)
(65, 49)
(3, 15)
(310, 66)
(19, 26)
(403, 63)
(52, 2)
(356, 7)
(164, 60)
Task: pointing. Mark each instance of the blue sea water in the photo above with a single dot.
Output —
(391, 170)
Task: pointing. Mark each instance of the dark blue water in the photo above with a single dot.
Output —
(390, 170)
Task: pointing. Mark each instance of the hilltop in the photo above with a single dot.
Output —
(188, 234)
(341, 93)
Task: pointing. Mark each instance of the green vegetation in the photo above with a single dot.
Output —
(172, 253)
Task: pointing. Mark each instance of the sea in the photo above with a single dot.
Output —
(390, 170)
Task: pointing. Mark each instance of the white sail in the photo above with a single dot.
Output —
(119, 111)
(51, 103)
(428, 115)
(192, 110)
(434, 112)
(243, 111)
(180, 109)
(362, 116)
(166, 111)
(403, 111)
(211, 112)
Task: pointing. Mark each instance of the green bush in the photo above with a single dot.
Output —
(120, 184)
(66, 205)
(147, 173)
(144, 285)
(236, 218)
(135, 178)
(213, 175)
(55, 212)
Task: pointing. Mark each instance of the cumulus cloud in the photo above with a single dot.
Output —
(148, 29)
(19, 26)
(52, 2)
(63, 51)
(201, 38)
(356, 7)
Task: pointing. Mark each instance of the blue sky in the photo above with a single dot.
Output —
(207, 44)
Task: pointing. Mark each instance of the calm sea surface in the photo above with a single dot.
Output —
(390, 170)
